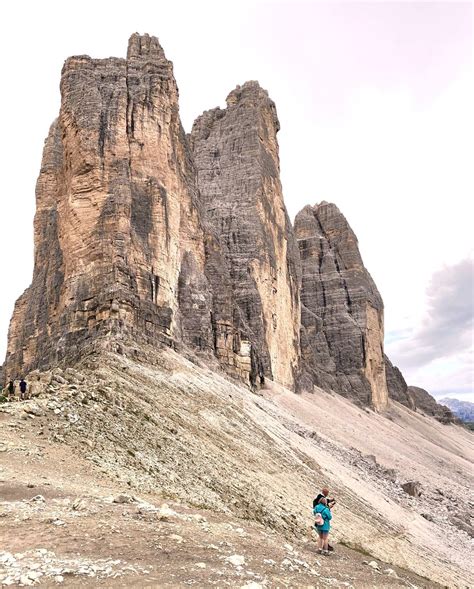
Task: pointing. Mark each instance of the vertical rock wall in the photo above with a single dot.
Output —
(117, 213)
(342, 311)
(235, 151)
(144, 234)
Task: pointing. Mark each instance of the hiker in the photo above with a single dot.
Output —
(23, 386)
(331, 502)
(324, 495)
(11, 390)
(322, 528)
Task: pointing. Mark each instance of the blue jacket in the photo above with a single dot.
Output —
(326, 515)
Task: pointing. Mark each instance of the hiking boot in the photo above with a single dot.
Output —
(326, 553)
(330, 548)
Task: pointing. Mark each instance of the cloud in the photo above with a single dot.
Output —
(446, 329)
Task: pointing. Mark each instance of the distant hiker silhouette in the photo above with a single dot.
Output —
(11, 390)
(322, 525)
(23, 387)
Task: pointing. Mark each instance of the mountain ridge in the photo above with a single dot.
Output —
(185, 241)
(173, 314)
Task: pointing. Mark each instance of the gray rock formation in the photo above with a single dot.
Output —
(235, 151)
(117, 214)
(342, 311)
(147, 236)
(397, 386)
(121, 248)
(424, 402)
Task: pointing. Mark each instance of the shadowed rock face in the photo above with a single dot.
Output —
(342, 311)
(397, 386)
(235, 151)
(424, 402)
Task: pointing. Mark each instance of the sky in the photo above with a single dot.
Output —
(375, 105)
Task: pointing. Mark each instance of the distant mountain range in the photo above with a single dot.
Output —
(462, 409)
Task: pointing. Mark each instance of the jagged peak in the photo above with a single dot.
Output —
(253, 93)
(145, 46)
(250, 89)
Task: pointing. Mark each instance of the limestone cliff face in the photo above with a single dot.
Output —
(342, 311)
(397, 386)
(125, 247)
(235, 151)
(117, 222)
(145, 235)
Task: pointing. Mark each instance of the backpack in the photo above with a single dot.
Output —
(319, 521)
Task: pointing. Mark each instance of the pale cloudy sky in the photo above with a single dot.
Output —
(375, 104)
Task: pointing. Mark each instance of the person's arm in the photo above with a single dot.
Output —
(328, 513)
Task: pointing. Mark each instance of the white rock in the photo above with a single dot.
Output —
(38, 499)
(7, 557)
(252, 585)
(373, 564)
(123, 498)
(59, 578)
(288, 547)
(201, 565)
(24, 580)
(165, 512)
(236, 559)
(179, 539)
(391, 573)
(34, 575)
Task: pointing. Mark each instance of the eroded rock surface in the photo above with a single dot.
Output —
(424, 402)
(116, 213)
(342, 311)
(236, 156)
(145, 235)
(397, 386)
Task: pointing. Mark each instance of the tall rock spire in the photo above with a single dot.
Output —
(235, 151)
(117, 212)
(342, 311)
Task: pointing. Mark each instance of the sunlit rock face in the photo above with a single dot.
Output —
(117, 214)
(146, 235)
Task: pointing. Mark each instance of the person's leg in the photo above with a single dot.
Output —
(320, 541)
(325, 542)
